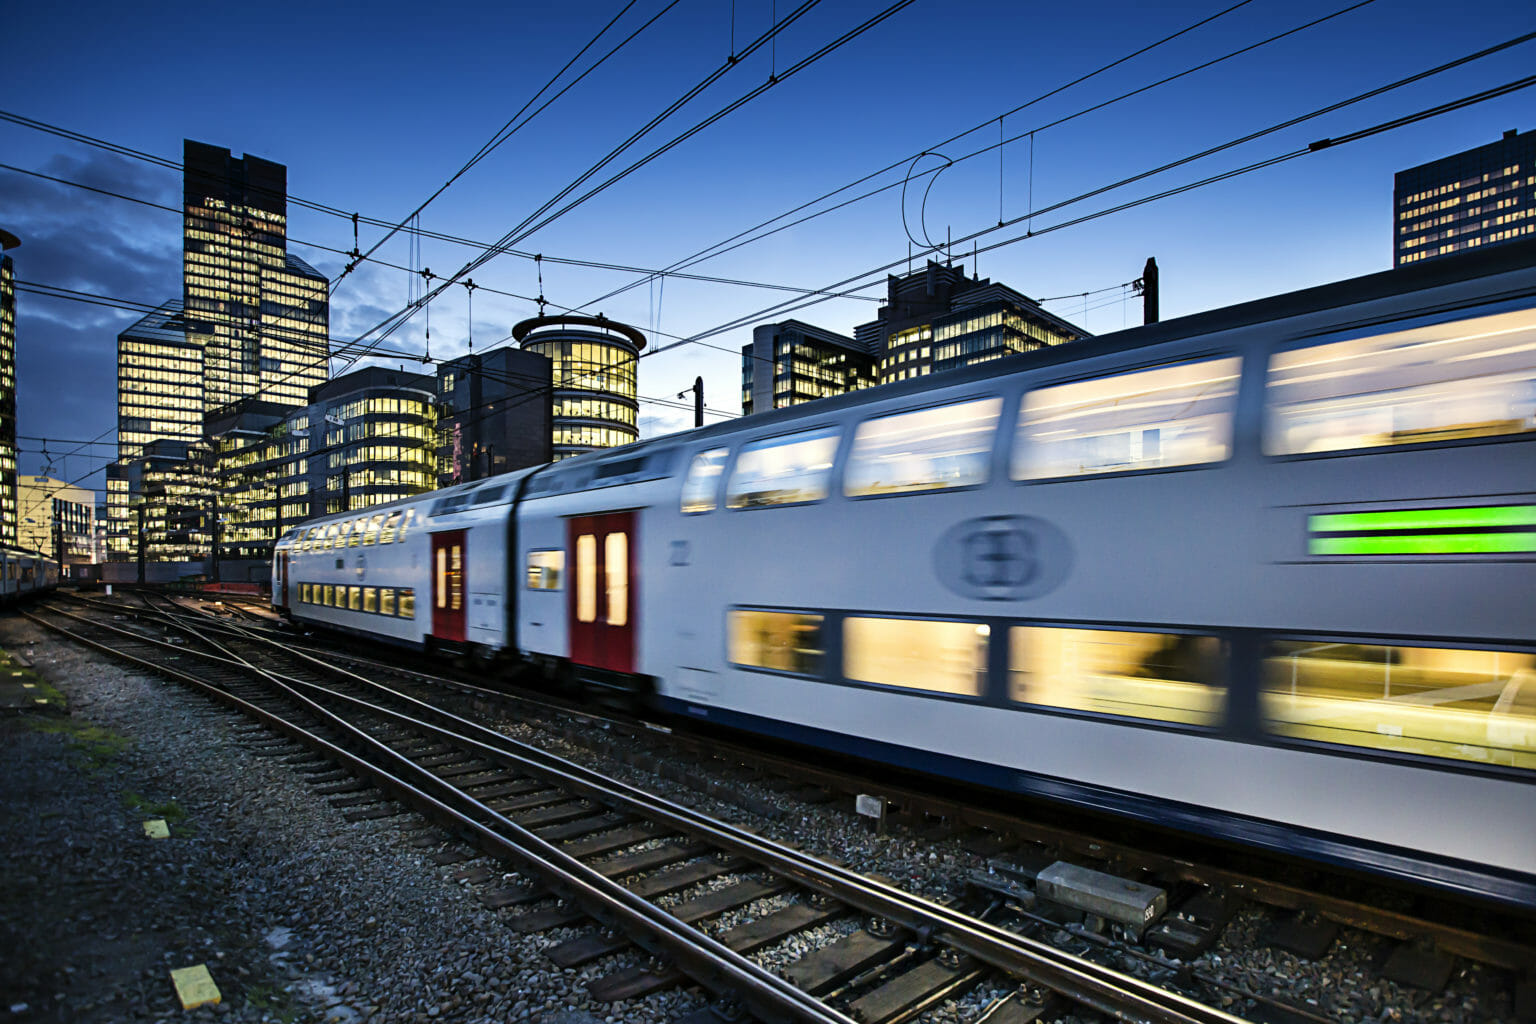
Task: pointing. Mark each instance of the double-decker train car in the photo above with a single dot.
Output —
(1265, 573)
(25, 574)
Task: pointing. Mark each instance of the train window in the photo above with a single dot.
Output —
(1441, 702)
(355, 599)
(616, 577)
(387, 530)
(489, 495)
(950, 446)
(586, 578)
(1170, 677)
(370, 599)
(781, 641)
(371, 532)
(386, 600)
(303, 593)
(330, 595)
(701, 485)
(783, 470)
(1177, 415)
(1466, 378)
(944, 657)
(546, 570)
(358, 526)
(407, 603)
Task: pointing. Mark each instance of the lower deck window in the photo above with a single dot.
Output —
(942, 657)
(407, 603)
(330, 595)
(1164, 676)
(782, 641)
(1441, 702)
(370, 599)
(354, 599)
(386, 600)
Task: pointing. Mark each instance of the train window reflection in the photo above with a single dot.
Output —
(950, 446)
(616, 577)
(387, 531)
(1467, 705)
(546, 570)
(586, 578)
(1164, 676)
(782, 641)
(1466, 378)
(1170, 416)
(944, 657)
(783, 470)
(703, 481)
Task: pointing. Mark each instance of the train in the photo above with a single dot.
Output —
(1265, 573)
(25, 574)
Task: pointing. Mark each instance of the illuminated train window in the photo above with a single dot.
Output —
(919, 654)
(386, 600)
(1441, 702)
(546, 570)
(387, 531)
(781, 641)
(1462, 379)
(928, 449)
(783, 470)
(1169, 677)
(370, 599)
(330, 598)
(407, 603)
(1169, 416)
(702, 482)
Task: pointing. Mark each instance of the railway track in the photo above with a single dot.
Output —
(637, 868)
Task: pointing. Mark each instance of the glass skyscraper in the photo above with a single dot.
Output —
(592, 367)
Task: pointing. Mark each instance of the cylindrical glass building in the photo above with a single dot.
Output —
(592, 370)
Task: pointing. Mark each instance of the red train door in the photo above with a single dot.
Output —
(448, 585)
(603, 599)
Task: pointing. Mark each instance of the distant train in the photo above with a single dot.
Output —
(1266, 573)
(24, 574)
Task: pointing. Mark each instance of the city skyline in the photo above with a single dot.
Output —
(878, 101)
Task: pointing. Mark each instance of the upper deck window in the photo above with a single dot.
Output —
(1466, 378)
(387, 531)
(929, 449)
(1169, 416)
(702, 484)
(783, 470)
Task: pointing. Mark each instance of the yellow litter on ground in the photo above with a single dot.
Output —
(156, 828)
(195, 987)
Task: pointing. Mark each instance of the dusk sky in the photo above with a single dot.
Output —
(373, 106)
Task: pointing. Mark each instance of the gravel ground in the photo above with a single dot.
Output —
(299, 914)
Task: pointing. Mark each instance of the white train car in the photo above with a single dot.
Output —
(1264, 573)
(25, 574)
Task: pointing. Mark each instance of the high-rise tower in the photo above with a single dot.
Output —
(260, 315)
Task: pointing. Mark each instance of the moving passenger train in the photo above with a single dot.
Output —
(1266, 573)
(25, 574)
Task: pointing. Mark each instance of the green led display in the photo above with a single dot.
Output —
(1484, 530)
(1426, 544)
(1425, 519)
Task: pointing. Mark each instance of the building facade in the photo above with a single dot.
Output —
(792, 362)
(364, 438)
(57, 518)
(159, 382)
(201, 377)
(1480, 197)
(592, 369)
(494, 414)
(260, 315)
(8, 517)
(933, 320)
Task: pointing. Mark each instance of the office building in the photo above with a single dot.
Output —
(58, 519)
(792, 362)
(160, 510)
(364, 438)
(159, 382)
(592, 368)
(933, 320)
(7, 390)
(494, 414)
(260, 315)
(1480, 197)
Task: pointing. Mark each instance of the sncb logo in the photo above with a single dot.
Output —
(1002, 558)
